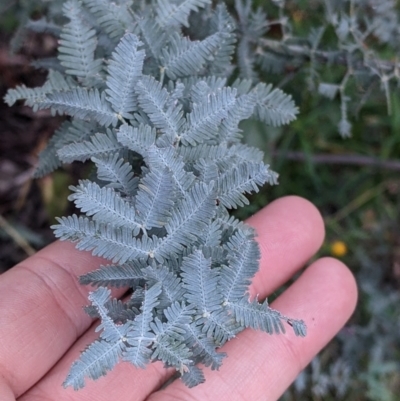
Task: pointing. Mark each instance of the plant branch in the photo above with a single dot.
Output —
(349, 159)
(335, 56)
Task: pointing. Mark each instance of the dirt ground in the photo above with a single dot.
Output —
(24, 220)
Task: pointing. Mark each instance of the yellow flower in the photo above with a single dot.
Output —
(298, 16)
(338, 249)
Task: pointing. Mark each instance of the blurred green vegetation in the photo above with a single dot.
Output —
(14, 12)
(359, 198)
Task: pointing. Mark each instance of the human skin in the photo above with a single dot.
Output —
(43, 328)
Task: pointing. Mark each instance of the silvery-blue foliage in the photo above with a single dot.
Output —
(149, 105)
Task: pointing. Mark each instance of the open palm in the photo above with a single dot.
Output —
(43, 328)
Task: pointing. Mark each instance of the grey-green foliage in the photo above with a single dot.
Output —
(350, 52)
(364, 354)
(151, 108)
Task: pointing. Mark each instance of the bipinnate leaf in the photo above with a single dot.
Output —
(188, 221)
(104, 353)
(104, 205)
(113, 17)
(259, 316)
(118, 174)
(155, 101)
(245, 177)
(139, 139)
(200, 282)
(243, 258)
(127, 275)
(124, 71)
(94, 362)
(193, 377)
(155, 198)
(114, 243)
(77, 44)
(140, 336)
(97, 145)
(142, 140)
(204, 347)
(185, 57)
(273, 106)
(207, 115)
(81, 103)
(176, 13)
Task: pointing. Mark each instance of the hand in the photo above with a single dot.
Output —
(43, 328)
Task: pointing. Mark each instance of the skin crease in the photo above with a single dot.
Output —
(43, 328)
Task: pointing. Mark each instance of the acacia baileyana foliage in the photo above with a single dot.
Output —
(146, 88)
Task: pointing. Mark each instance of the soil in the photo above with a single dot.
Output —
(24, 220)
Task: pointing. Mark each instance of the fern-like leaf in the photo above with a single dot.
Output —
(159, 158)
(193, 377)
(171, 284)
(223, 23)
(114, 18)
(141, 337)
(109, 330)
(204, 347)
(244, 255)
(178, 315)
(175, 13)
(155, 101)
(139, 139)
(274, 107)
(206, 116)
(200, 282)
(124, 71)
(155, 198)
(128, 274)
(184, 57)
(69, 132)
(48, 158)
(116, 244)
(78, 43)
(22, 92)
(112, 169)
(94, 362)
(260, 316)
(189, 220)
(142, 140)
(152, 35)
(257, 316)
(97, 146)
(104, 205)
(242, 110)
(81, 103)
(246, 177)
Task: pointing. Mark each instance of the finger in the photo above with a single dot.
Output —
(286, 242)
(41, 312)
(271, 222)
(261, 367)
